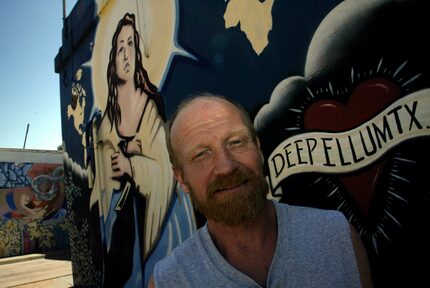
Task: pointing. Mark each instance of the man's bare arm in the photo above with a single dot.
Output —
(151, 282)
(362, 260)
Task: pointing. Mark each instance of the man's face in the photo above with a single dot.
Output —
(219, 164)
(126, 53)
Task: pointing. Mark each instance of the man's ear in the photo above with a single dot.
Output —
(180, 178)
(259, 149)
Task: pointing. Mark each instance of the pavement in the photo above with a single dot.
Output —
(53, 269)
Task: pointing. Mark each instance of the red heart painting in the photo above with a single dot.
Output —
(367, 100)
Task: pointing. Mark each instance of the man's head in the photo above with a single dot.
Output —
(216, 157)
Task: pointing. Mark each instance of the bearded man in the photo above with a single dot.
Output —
(248, 240)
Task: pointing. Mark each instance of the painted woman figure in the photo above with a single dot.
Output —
(133, 182)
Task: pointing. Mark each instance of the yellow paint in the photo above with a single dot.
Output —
(77, 108)
(156, 22)
(255, 20)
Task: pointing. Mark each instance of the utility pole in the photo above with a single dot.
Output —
(26, 132)
(64, 10)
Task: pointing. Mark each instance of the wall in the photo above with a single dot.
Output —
(32, 202)
(338, 91)
(126, 211)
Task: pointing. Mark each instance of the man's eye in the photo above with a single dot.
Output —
(236, 142)
(120, 50)
(200, 155)
(239, 142)
(130, 43)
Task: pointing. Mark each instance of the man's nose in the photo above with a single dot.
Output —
(224, 162)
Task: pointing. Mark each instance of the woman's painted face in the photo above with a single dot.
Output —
(126, 54)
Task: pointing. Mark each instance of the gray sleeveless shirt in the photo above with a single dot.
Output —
(313, 249)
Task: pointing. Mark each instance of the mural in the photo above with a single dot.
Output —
(349, 133)
(339, 95)
(126, 210)
(139, 182)
(32, 208)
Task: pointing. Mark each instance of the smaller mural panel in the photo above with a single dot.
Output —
(32, 208)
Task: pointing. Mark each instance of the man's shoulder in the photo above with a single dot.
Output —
(310, 213)
(304, 222)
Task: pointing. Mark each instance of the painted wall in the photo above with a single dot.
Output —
(32, 202)
(126, 211)
(338, 91)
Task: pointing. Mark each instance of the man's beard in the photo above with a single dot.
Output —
(237, 208)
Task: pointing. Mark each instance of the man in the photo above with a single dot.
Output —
(248, 241)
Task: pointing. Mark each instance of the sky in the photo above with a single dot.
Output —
(30, 35)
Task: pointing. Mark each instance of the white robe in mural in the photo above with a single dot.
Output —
(152, 173)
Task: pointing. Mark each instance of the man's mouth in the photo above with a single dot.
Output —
(232, 187)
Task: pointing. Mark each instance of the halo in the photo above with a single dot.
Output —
(155, 23)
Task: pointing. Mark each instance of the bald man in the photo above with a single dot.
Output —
(248, 240)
